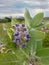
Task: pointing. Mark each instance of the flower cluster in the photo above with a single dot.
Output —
(21, 35)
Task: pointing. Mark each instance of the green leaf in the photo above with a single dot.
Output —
(15, 57)
(9, 33)
(37, 19)
(20, 53)
(45, 60)
(33, 46)
(27, 18)
(39, 44)
(9, 59)
(36, 39)
(35, 34)
(44, 56)
(12, 29)
(44, 52)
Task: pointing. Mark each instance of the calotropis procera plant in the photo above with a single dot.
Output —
(33, 53)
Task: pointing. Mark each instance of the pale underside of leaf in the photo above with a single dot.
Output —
(27, 18)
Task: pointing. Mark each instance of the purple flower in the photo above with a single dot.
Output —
(23, 25)
(16, 34)
(18, 40)
(27, 39)
(23, 45)
(25, 29)
(28, 36)
(17, 25)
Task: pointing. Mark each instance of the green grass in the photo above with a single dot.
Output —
(2, 32)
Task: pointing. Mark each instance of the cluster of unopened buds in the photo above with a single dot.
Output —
(44, 29)
(21, 35)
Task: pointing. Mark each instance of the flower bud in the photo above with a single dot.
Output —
(23, 25)
(17, 25)
(23, 45)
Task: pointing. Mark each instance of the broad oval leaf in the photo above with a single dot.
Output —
(27, 18)
(35, 34)
(12, 58)
(36, 39)
(8, 59)
(37, 19)
(44, 52)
